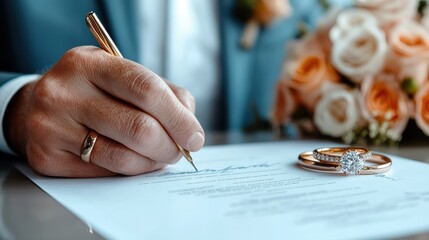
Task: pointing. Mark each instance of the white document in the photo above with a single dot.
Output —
(250, 191)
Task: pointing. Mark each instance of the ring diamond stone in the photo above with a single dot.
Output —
(351, 162)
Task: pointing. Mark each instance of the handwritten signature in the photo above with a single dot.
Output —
(222, 170)
(384, 176)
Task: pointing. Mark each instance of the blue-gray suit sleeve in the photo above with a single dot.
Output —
(7, 76)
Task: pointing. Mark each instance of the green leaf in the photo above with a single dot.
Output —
(410, 86)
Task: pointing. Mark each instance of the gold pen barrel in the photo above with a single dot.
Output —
(102, 36)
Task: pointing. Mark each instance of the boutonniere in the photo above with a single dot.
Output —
(259, 13)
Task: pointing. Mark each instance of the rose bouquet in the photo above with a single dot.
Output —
(362, 74)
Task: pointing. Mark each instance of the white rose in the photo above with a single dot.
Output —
(350, 19)
(389, 12)
(336, 113)
(360, 53)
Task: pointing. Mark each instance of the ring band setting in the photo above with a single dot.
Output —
(88, 145)
(351, 162)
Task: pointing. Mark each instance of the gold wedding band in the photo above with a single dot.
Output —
(350, 165)
(88, 145)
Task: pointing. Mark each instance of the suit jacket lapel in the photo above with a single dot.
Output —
(122, 23)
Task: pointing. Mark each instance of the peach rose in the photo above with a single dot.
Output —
(389, 12)
(337, 112)
(422, 108)
(284, 104)
(409, 51)
(267, 11)
(309, 71)
(409, 41)
(306, 74)
(383, 101)
(360, 53)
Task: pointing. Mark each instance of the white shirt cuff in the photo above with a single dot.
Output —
(7, 91)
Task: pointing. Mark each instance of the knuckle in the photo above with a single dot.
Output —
(74, 55)
(124, 166)
(146, 86)
(143, 127)
(51, 91)
(168, 157)
(191, 99)
(44, 91)
(153, 165)
(113, 153)
(178, 121)
(186, 94)
(75, 59)
(79, 52)
(114, 157)
(119, 164)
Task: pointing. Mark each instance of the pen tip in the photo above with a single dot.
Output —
(193, 165)
(188, 157)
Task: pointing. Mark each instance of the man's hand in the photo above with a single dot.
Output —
(139, 117)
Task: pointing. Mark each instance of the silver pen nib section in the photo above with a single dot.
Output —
(187, 155)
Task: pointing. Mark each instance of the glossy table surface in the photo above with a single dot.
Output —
(29, 213)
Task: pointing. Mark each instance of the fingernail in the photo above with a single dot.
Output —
(196, 142)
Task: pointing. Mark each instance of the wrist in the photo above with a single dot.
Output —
(14, 122)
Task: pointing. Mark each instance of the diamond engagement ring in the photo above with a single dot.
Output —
(350, 163)
(339, 154)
